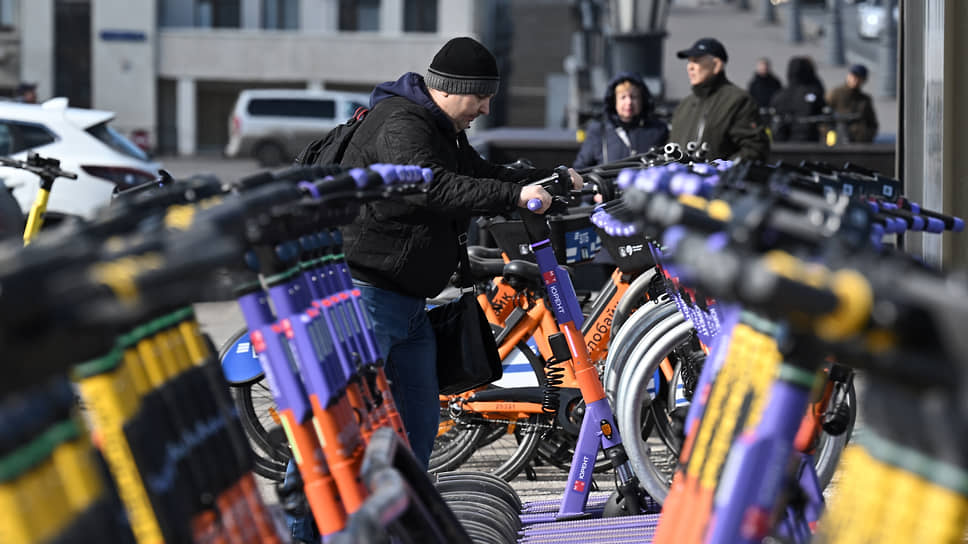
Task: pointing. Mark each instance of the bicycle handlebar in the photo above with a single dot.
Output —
(47, 168)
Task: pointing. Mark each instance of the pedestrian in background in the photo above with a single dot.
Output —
(717, 113)
(26, 93)
(799, 99)
(627, 126)
(764, 83)
(848, 99)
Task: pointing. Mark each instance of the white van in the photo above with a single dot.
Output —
(274, 125)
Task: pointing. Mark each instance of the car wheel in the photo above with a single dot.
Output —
(269, 154)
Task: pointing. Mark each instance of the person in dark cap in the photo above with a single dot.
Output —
(627, 126)
(26, 93)
(402, 252)
(848, 99)
(717, 114)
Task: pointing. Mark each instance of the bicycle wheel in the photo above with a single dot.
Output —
(630, 339)
(505, 448)
(659, 416)
(257, 412)
(653, 462)
(635, 296)
(455, 442)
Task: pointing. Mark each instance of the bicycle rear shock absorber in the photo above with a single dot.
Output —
(554, 373)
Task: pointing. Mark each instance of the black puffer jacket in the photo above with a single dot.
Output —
(410, 246)
(802, 97)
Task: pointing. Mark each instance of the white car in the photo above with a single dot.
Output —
(872, 19)
(83, 142)
(274, 125)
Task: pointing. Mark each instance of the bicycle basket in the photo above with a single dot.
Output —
(572, 236)
(630, 253)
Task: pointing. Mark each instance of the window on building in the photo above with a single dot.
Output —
(8, 13)
(420, 15)
(16, 137)
(356, 15)
(280, 14)
(217, 14)
(293, 107)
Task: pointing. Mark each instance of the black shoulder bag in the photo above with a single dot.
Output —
(467, 355)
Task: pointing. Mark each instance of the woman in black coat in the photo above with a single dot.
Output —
(802, 97)
(627, 128)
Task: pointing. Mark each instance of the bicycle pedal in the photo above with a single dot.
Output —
(529, 473)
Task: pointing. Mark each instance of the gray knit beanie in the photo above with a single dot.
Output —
(463, 66)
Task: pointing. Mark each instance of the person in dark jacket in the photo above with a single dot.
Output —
(401, 252)
(764, 84)
(802, 97)
(627, 126)
(848, 99)
(717, 113)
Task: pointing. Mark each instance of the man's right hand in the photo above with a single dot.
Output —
(530, 192)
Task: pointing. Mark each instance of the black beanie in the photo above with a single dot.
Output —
(463, 66)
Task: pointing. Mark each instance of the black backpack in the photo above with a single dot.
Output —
(330, 148)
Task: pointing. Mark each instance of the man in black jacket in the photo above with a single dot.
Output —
(764, 84)
(401, 252)
(717, 113)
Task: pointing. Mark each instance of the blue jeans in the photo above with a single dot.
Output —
(406, 339)
(302, 529)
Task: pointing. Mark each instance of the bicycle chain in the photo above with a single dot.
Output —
(474, 419)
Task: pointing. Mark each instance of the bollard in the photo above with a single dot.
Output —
(768, 11)
(794, 26)
(836, 41)
(888, 52)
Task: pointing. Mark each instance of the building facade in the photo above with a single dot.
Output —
(172, 68)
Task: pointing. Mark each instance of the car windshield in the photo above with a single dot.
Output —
(116, 141)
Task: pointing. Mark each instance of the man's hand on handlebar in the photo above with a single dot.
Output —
(534, 192)
(577, 183)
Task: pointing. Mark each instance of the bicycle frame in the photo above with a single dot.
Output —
(538, 323)
(598, 429)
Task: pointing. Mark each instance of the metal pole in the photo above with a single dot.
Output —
(794, 28)
(837, 56)
(768, 11)
(888, 53)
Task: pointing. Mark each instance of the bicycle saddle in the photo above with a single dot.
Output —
(484, 253)
(484, 264)
(522, 270)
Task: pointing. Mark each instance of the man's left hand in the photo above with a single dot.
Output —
(576, 180)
